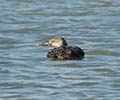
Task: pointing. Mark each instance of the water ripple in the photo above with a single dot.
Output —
(25, 71)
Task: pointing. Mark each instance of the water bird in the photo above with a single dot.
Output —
(62, 51)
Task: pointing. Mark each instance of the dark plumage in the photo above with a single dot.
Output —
(66, 53)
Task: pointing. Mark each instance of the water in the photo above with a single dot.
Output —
(25, 71)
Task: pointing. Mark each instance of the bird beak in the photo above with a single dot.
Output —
(44, 44)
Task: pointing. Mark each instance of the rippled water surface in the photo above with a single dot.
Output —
(25, 71)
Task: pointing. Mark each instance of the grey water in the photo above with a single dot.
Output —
(25, 71)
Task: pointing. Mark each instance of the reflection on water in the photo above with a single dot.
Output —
(25, 71)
